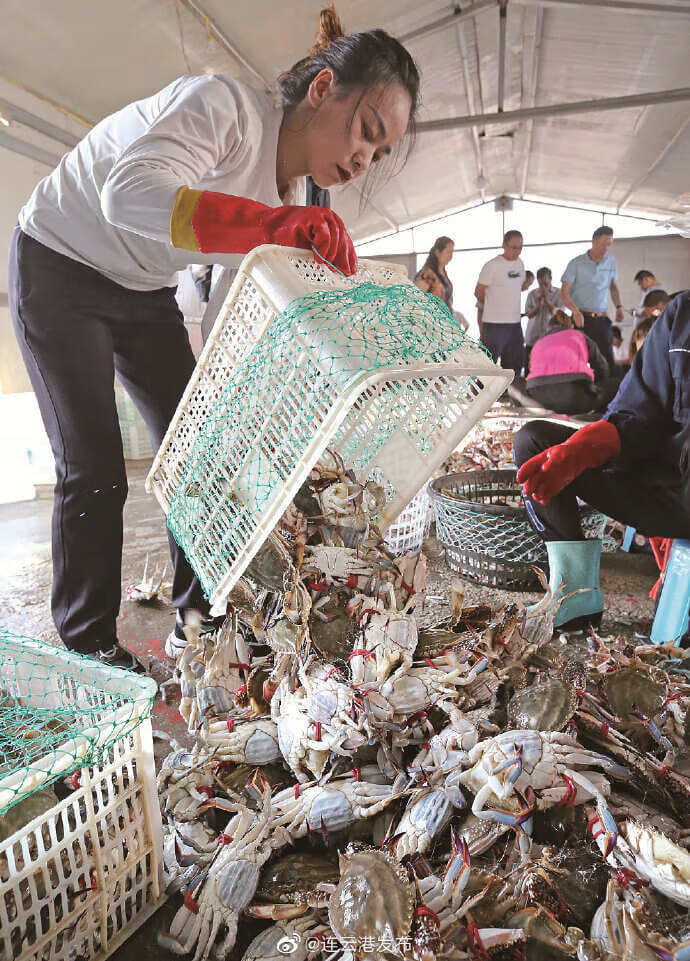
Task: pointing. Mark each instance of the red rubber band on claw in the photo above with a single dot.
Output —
(475, 942)
(424, 912)
(628, 878)
(225, 839)
(230, 723)
(568, 799)
(590, 826)
(430, 662)
(296, 791)
(664, 772)
(604, 729)
(190, 903)
(361, 652)
(672, 697)
(317, 730)
(356, 773)
(206, 791)
(75, 780)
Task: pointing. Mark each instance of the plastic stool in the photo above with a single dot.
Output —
(671, 618)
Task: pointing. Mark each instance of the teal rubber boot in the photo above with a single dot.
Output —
(576, 565)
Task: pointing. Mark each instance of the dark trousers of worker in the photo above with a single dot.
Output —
(574, 396)
(598, 327)
(76, 329)
(654, 505)
(566, 397)
(505, 344)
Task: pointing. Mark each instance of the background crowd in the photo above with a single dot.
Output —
(567, 353)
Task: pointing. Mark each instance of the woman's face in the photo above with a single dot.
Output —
(349, 133)
(444, 256)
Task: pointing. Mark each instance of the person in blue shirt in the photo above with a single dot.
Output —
(585, 287)
(633, 465)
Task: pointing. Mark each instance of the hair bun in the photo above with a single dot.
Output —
(330, 29)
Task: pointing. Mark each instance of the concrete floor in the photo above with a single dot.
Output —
(25, 575)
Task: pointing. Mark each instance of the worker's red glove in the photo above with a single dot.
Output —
(210, 222)
(546, 474)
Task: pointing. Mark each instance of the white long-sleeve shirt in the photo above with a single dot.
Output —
(108, 202)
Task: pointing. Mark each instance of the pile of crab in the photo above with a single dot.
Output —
(381, 774)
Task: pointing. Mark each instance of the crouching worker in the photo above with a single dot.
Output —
(568, 373)
(632, 466)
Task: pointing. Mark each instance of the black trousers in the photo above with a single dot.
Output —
(76, 329)
(566, 397)
(599, 329)
(504, 342)
(653, 505)
(575, 396)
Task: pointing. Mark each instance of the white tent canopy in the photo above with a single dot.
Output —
(90, 59)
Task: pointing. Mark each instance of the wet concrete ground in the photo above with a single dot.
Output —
(25, 575)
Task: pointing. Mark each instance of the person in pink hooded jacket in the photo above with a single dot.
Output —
(568, 373)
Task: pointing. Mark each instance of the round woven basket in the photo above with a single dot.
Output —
(483, 526)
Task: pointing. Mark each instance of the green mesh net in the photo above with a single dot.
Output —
(307, 384)
(59, 712)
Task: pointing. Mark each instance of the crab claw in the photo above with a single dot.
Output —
(522, 820)
(609, 828)
(680, 953)
(459, 864)
(513, 765)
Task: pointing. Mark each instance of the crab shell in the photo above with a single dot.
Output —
(373, 899)
(545, 706)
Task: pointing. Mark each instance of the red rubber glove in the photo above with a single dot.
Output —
(546, 474)
(212, 222)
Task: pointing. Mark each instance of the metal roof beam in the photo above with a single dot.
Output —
(652, 167)
(469, 90)
(502, 18)
(28, 150)
(624, 6)
(27, 119)
(457, 16)
(538, 31)
(556, 109)
(210, 24)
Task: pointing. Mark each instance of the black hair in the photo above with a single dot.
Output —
(616, 331)
(641, 274)
(358, 61)
(656, 298)
(529, 273)
(602, 232)
(509, 234)
(431, 261)
(543, 271)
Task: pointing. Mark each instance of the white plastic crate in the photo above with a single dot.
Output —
(410, 527)
(267, 280)
(78, 880)
(396, 422)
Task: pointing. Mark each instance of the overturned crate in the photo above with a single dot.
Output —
(369, 367)
(79, 875)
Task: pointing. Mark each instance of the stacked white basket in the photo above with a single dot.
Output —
(426, 408)
(78, 880)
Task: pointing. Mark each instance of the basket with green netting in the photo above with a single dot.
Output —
(80, 827)
(369, 367)
(482, 524)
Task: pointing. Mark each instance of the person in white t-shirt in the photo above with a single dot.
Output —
(201, 172)
(498, 289)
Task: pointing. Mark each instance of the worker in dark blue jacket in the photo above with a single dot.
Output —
(632, 465)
